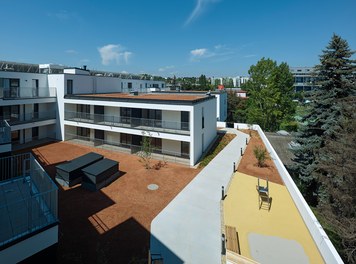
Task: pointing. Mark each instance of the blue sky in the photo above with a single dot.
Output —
(173, 37)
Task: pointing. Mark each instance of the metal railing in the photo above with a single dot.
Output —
(34, 199)
(31, 117)
(5, 132)
(27, 92)
(122, 147)
(129, 122)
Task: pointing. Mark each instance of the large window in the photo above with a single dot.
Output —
(185, 148)
(83, 132)
(156, 143)
(184, 116)
(125, 115)
(9, 88)
(10, 113)
(125, 138)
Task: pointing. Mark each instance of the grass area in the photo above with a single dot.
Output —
(220, 143)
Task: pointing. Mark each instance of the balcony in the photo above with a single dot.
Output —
(5, 132)
(172, 127)
(28, 198)
(17, 119)
(157, 153)
(27, 92)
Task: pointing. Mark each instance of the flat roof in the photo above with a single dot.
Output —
(278, 235)
(147, 97)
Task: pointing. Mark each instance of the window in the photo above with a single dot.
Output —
(83, 108)
(69, 86)
(184, 117)
(156, 143)
(35, 133)
(185, 148)
(202, 118)
(129, 85)
(125, 138)
(34, 87)
(125, 115)
(15, 136)
(83, 132)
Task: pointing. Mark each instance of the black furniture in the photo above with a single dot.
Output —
(100, 174)
(70, 173)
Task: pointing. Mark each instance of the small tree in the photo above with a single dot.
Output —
(261, 155)
(146, 154)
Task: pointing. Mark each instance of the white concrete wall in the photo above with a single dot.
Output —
(57, 80)
(112, 136)
(171, 146)
(47, 131)
(209, 130)
(112, 111)
(28, 135)
(321, 239)
(171, 119)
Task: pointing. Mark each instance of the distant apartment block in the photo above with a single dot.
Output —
(305, 79)
(236, 81)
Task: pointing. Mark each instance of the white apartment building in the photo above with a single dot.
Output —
(73, 104)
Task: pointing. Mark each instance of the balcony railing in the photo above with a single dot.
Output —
(17, 119)
(5, 132)
(27, 92)
(29, 198)
(173, 127)
(114, 145)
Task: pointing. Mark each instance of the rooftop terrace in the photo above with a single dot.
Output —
(278, 235)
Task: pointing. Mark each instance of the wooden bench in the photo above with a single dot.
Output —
(232, 239)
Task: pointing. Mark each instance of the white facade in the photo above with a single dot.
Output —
(47, 104)
(171, 131)
(29, 105)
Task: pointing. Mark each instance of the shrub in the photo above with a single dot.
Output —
(261, 155)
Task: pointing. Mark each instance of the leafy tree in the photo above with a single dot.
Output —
(217, 82)
(203, 83)
(270, 92)
(236, 108)
(337, 80)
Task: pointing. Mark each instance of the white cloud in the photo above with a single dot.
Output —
(200, 7)
(218, 52)
(114, 52)
(165, 68)
(197, 54)
(71, 51)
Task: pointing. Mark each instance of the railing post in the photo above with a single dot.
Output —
(222, 193)
(233, 167)
(242, 153)
(223, 249)
(246, 141)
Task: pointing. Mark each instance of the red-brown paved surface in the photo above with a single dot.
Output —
(111, 225)
(149, 96)
(248, 162)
